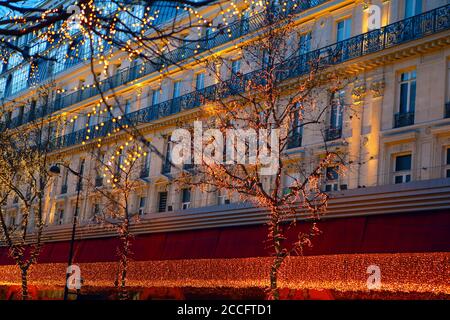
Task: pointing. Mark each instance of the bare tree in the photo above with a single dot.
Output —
(115, 198)
(251, 120)
(24, 182)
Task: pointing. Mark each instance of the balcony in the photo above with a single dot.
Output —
(333, 133)
(424, 24)
(447, 110)
(403, 119)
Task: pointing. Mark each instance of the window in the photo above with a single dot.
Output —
(146, 165)
(79, 185)
(166, 164)
(73, 125)
(296, 130)
(20, 115)
(20, 78)
(235, 67)
(64, 181)
(402, 169)
(162, 201)
(14, 60)
(185, 199)
(127, 107)
(331, 179)
(337, 106)
(407, 92)
(265, 59)
(142, 201)
(222, 198)
(344, 29)
(447, 163)
(95, 210)
(59, 217)
(199, 81)
(176, 89)
(60, 55)
(155, 97)
(304, 43)
(412, 8)
(2, 87)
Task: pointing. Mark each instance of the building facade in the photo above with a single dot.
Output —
(397, 137)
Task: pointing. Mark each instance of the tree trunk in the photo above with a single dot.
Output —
(24, 272)
(279, 256)
(123, 295)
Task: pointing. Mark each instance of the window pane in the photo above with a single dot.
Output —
(448, 156)
(403, 98)
(403, 163)
(409, 8)
(412, 97)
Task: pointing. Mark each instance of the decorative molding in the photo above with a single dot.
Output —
(377, 88)
(358, 94)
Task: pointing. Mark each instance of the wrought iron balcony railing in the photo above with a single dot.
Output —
(447, 110)
(416, 27)
(224, 35)
(403, 119)
(333, 133)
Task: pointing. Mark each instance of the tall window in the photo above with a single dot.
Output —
(185, 199)
(64, 181)
(407, 92)
(20, 78)
(127, 107)
(166, 164)
(73, 125)
(60, 56)
(59, 217)
(80, 172)
(222, 197)
(235, 67)
(162, 201)
(337, 109)
(265, 59)
(402, 170)
(412, 8)
(304, 43)
(2, 86)
(146, 165)
(176, 89)
(155, 97)
(142, 201)
(199, 81)
(296, 130)
(14, 60)
(447, 163)
(344, 29)
(331, 179)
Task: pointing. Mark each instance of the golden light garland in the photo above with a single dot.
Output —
(406, 272)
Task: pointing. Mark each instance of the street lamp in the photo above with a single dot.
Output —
(55, 171)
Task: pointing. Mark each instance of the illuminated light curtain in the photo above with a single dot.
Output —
(20, 78)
